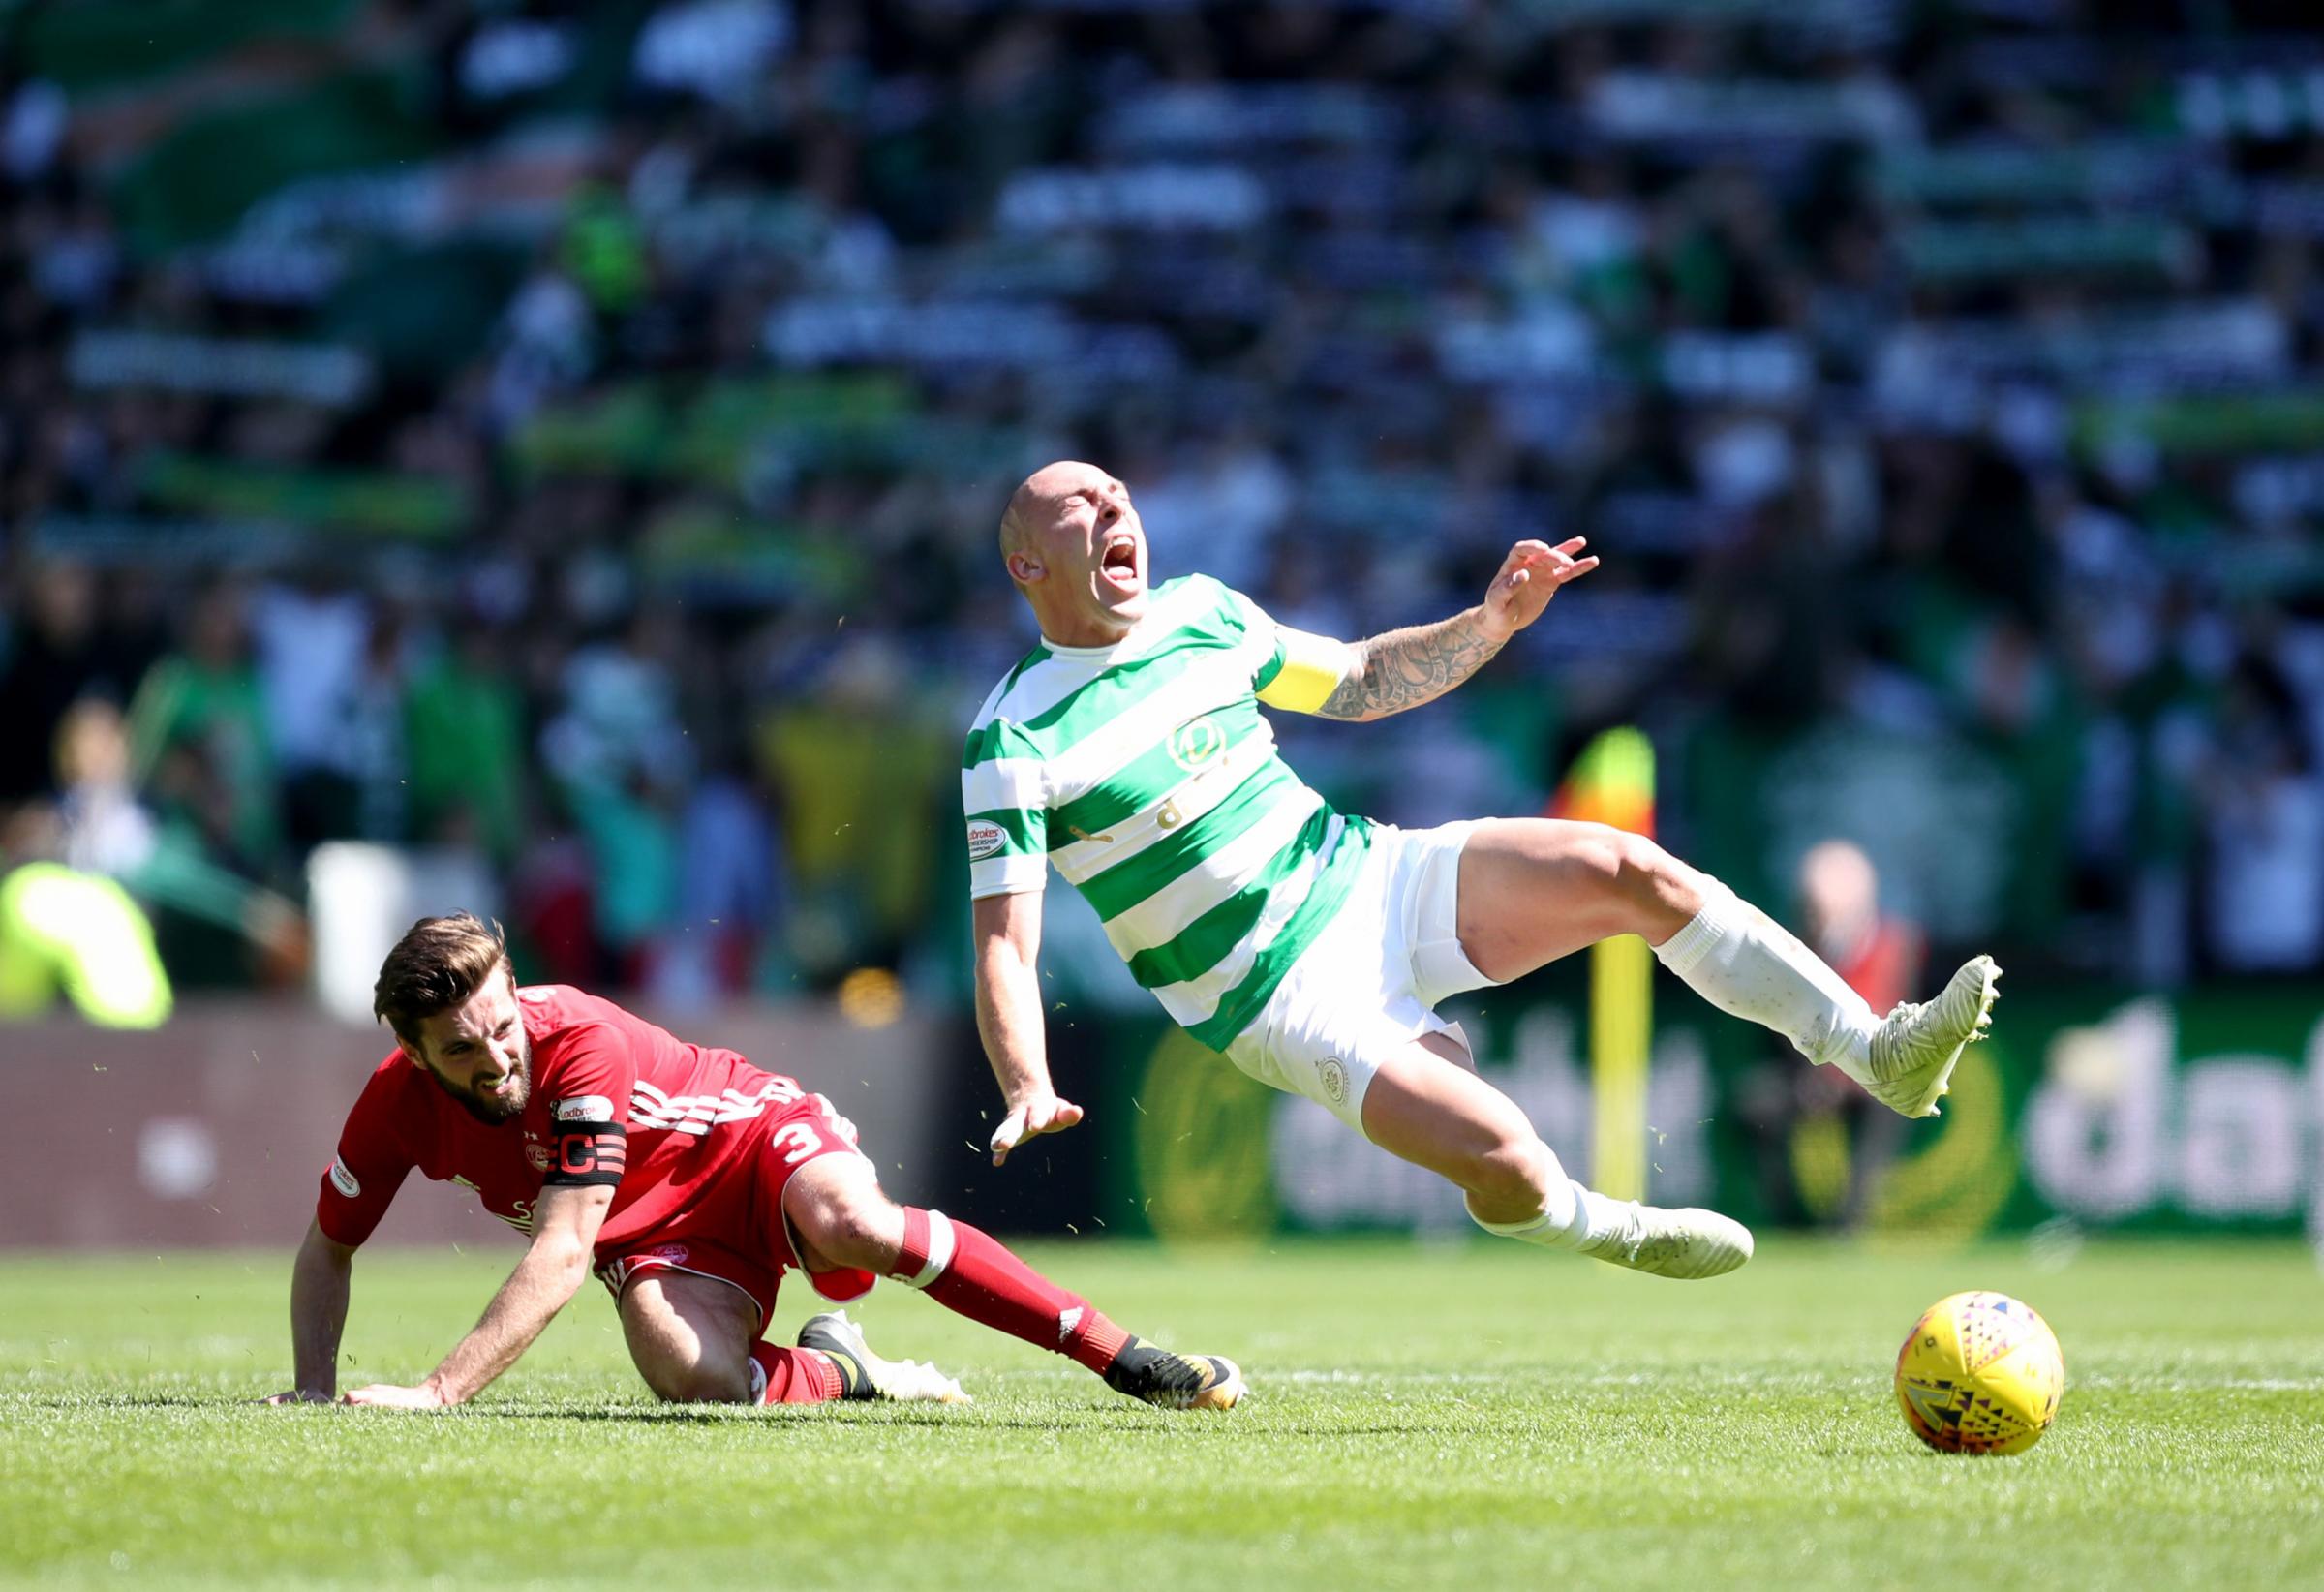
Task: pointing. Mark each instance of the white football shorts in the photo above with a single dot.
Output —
(1367, 986)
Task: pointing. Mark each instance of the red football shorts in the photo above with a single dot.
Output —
(737, 1231)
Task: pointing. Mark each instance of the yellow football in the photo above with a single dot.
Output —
(1981, 1373)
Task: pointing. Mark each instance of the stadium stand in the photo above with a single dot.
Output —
(573, 435)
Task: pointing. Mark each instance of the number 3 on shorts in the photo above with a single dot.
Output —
(797, 1142)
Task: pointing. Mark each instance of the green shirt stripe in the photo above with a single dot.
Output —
(998, 739)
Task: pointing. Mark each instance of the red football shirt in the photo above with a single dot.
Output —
(615, 1101)
(1885, 966)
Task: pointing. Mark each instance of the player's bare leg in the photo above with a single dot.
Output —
(1430, 1107)
(843, 1220)
(695, 1339)
(1535, 889)
(691, 1337)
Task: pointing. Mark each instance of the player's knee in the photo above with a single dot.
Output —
(861, 1227)
(699, 1383)
(1511, 1173)
(1636, 867)
(1606, 858)
(1650, 887)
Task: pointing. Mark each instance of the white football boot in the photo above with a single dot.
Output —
(1916, 1046)
(867, 1375)
(1688, 1242)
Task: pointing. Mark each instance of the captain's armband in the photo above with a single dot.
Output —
(1308, 669)
(588, 1144)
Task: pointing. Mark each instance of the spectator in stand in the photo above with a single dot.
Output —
(311, 635)
(464, 743)
(2263, 901)
(105, 829)
(1823, 1154)
(198, 741)
(622, 763)
(860, 767)
(54, 654)
(731, 887)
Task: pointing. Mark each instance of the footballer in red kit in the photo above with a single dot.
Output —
(688, 1178)
(711, 1139)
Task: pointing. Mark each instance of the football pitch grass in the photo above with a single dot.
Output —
(1467, 1416)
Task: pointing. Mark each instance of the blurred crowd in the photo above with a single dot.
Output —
(571, 436)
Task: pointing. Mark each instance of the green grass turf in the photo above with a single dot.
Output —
(1463, 1416)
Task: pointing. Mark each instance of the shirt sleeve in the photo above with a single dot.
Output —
(586, 1090)
(371, 1163)
(1294, 670)
(1004, 791)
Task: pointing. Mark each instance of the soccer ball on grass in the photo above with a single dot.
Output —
(1981, 1373)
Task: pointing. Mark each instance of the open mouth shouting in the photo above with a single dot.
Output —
(1121, 565)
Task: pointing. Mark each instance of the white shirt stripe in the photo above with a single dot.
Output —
(1004, 782)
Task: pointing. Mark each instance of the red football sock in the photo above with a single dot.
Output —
(968, 1271)
(794, 1376)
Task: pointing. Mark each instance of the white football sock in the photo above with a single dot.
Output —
(1573, 1216)
(1747, 965)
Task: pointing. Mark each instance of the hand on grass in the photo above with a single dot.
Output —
(386, 1395)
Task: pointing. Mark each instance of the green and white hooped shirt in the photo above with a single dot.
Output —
(1146, 773)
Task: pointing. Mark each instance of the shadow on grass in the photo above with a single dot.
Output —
(1095, 1422)
(64, 1403)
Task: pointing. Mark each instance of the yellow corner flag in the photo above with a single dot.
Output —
(1612, 782)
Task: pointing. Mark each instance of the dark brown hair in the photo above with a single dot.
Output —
(438, 965)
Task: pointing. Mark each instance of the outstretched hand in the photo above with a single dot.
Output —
(1042, 1113)
(1530, 576)
(386, 1395)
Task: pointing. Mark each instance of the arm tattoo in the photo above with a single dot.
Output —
(1404, 668)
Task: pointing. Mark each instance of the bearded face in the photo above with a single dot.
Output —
(480, 1053)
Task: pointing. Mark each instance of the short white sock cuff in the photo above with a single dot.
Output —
(1683, 952)
(1564, 1221)
(1540, 1226)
